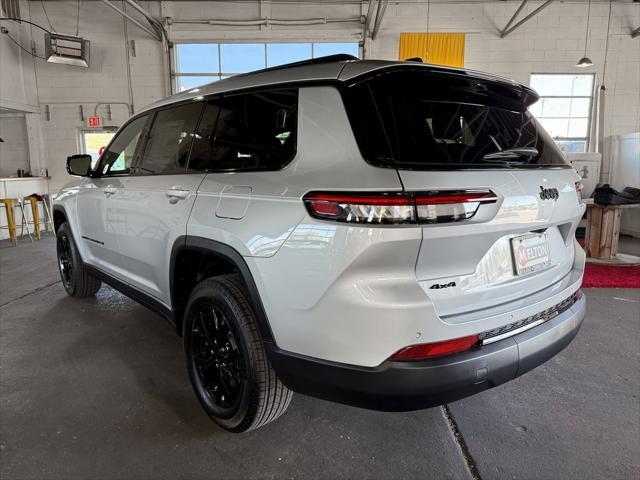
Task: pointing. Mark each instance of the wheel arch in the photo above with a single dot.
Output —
(232, 258)
(59, 216)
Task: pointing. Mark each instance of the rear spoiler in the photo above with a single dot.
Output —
(353, 73)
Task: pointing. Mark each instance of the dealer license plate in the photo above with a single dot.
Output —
(530, 253)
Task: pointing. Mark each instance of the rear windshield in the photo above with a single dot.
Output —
(437, 121)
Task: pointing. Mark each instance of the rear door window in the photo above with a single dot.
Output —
(169, 140)
(255, 131)
(442, 121)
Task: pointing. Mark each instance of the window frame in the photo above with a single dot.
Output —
(220, 74)
(589, 138)
(82, 148)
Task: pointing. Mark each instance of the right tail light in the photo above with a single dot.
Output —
(396, 208)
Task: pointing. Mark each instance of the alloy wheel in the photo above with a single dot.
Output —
(217, 360)
(65, 261)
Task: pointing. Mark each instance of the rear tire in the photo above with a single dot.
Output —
(226, 360)
(73, 273)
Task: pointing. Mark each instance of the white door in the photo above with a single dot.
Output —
(156, 200)
(99, 218)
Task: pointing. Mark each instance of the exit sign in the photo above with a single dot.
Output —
(94, 122)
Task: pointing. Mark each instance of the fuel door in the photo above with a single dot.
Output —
(234, 202)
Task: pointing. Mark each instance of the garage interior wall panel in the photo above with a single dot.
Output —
(552, 41)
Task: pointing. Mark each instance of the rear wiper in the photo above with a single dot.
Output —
(525, 154)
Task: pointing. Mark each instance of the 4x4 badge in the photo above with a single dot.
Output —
(549, 193)
(437, 286)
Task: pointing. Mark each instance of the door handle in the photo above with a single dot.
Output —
(175, 194)
(109, 190)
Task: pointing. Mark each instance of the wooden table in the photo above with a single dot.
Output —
(603, 233)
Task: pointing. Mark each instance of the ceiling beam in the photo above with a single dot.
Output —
(368, 19)
(382, 7)
(148, 29)
(155, 23)
(508, 28)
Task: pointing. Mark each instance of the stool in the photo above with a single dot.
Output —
(33, 199)
(10, 204)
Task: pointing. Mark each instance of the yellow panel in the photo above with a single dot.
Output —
(437, 48)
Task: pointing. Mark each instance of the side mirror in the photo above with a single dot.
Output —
(79, 165)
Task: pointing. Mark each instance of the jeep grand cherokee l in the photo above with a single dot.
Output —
(384, 234)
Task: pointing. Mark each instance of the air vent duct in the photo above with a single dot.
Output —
(10, 8)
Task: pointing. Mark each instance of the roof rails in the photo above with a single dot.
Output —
(340, 57)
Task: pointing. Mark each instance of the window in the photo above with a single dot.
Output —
(254, 131)
(564, 108)
(94, 142)
(120, 154)
(200, 63)
(438, 122)
(169, 140)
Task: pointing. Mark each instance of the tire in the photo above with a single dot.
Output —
(73, 273)
(226, 360)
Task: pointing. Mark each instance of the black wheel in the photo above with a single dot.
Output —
(77, 282)
(226, 360)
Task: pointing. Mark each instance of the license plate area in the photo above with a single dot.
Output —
(530, 253)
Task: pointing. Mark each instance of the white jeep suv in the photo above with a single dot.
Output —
(390, 235)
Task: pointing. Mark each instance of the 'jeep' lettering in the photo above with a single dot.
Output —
(549, 193)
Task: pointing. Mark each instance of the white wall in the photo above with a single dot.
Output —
(550, 42)
(14, 150)
(17, 78)
(62, 89)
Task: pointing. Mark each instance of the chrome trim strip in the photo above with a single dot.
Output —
(511, 333)
(545, 316)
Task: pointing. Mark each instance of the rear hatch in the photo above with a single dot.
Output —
(448, 131)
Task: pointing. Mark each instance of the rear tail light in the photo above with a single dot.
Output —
(397, 208)
(454, 207)
(579, 188)
(423, 351)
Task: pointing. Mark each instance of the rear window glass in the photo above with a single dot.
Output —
(428, 121)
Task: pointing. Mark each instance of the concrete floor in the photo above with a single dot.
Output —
(97, 388)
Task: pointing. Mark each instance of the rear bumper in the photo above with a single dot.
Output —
(401, 386)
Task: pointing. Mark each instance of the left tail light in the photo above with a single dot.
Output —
(396, 208)
(423, 351)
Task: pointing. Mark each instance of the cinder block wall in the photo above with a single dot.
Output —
(551, 42)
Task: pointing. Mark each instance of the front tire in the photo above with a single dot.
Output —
(73, 273)
(226, 360)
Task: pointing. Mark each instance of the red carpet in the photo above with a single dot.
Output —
(607, 276)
